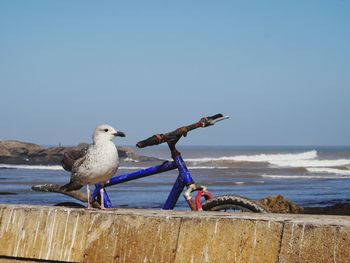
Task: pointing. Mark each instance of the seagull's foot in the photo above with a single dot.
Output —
(89, 207)
(102, 207)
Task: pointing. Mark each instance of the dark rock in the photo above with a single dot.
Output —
(7, 193)
(337, 209)
(278, 204)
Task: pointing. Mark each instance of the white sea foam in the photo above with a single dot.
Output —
(132, 168)
(31, 167)
(277, 157)
(304, 159)
(329, 170)
(131, 160)
(280, 157)
(336, 176)
(207, 167)
(312, 163)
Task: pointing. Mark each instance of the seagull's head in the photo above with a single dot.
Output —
(105, 132)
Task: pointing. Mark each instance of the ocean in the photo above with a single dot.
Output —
(307, 176)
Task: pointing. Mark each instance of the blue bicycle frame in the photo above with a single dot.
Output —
(184, 179)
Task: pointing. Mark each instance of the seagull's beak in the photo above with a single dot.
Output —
(119, 133)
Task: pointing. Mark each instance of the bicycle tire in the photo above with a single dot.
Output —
(232, 202)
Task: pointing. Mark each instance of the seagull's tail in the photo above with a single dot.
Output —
(71, 186)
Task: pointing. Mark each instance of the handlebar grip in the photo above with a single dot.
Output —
(216, 116)
(182, 131)
(153, 140)
(211, 120)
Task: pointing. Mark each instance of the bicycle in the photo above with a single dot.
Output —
(184, 179)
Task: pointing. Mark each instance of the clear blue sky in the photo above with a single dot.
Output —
(280, 69)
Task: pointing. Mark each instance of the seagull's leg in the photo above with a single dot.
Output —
(88, 196)
(102, 194)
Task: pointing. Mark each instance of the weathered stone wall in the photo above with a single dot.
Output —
(46, 234)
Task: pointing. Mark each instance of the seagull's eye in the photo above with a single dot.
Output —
(106, 130)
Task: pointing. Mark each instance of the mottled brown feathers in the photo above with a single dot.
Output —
(71, 156)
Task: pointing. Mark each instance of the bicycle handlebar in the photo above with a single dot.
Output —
(182, 131)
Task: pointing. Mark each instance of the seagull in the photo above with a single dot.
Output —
(95, 164)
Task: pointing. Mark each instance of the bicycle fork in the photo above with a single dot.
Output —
(202, 191)
(183, 180)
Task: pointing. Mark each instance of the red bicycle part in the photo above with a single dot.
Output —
(207, 195)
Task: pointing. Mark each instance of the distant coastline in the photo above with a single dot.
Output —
(25, 153)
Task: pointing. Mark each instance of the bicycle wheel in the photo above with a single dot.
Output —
(232, 203)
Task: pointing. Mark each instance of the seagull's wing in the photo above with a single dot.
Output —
(72, 159)
(73, 183)
(71, 156)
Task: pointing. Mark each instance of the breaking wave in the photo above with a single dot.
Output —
(329, 171)
(304, 160)
(318, 176)
(269, 158)
(31, 167)
(312, 163)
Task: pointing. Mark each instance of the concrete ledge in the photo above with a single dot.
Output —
(38, 233)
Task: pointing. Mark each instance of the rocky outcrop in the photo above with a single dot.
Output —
(16, 148)
(16, 152)
(278, 204)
